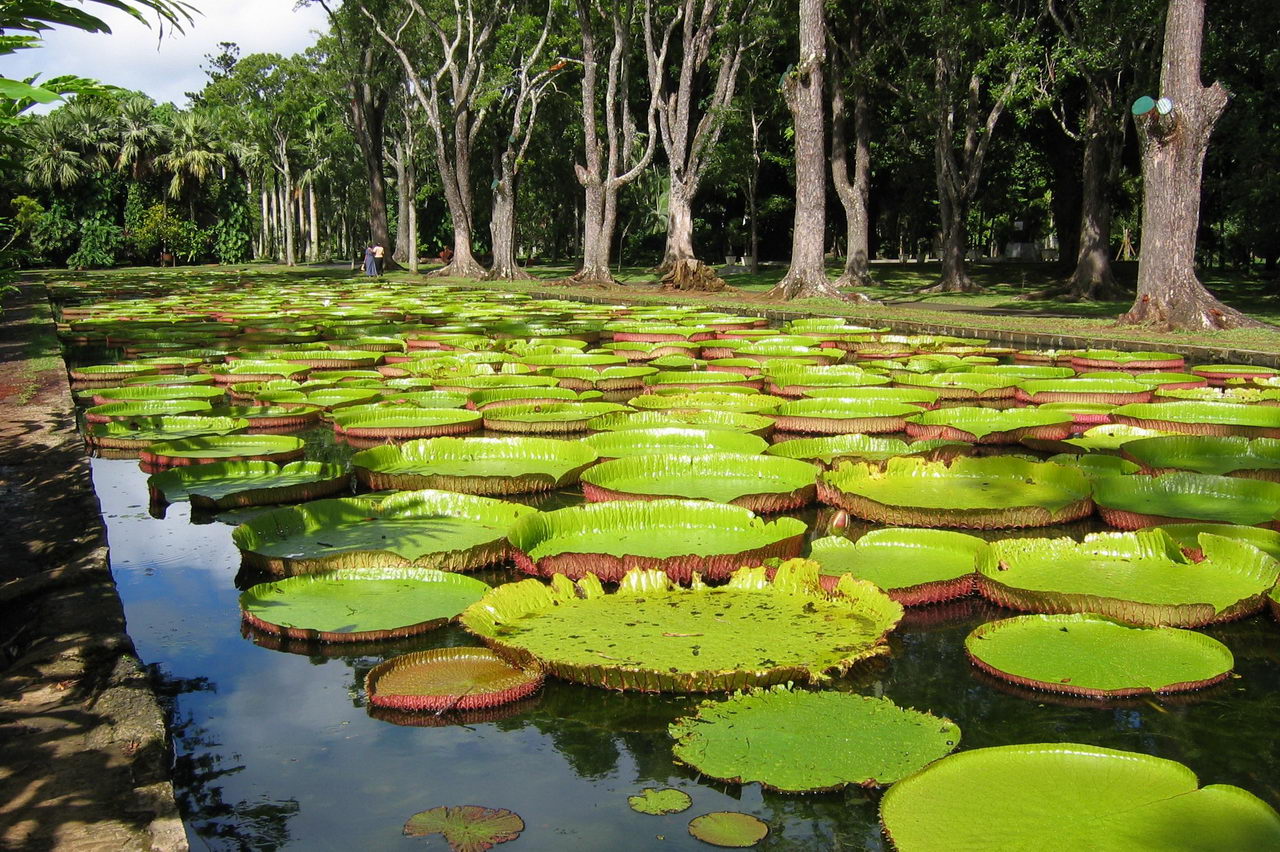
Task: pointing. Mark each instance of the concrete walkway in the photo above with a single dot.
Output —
(84, 758)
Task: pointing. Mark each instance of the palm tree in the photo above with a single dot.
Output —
(96, 127)
(143, 136)
(193, 155)
(53, 160)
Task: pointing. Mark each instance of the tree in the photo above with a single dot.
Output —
(617, 157)
(802, 89)
(980, 53)
(711, 34)
(193, 156)
(852, 190)
(1174, 136)
(449, 95)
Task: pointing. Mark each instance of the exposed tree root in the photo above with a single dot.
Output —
(456, 268)
(1190, 312)
(796, 286)
(514, 273)
(691, 274)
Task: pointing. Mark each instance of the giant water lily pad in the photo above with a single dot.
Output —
(1233, 455)
(798, 742)
(547, 418)
(659, 802)
(139, 432)
(830, 450)
(488, 466)
(673, 439)
(757, 482)
(425, 529)
(839, 415)
(979, 493)
(1132, 502)
(212, 448)
(359, 604)
(653, 636)
(744, 403)
(138, 393)
(680, 537)
(1187, 536)
(1086, 654)
(1120, 390)
(1071, 796)
(1203, 418)
(756, 424)
(730, 829)
(129, 409)
(449, 680)
(225, 485)
(1141, 578)
(914, 566)
(400, 422)
(989, 425)
(469, 828)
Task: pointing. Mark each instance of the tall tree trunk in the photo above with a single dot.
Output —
(807, 276)
(399, 161)
(1093, 278)
(1173, 148)
(264, 245)
(853, 194)
(368, 108)
(286, 205)
(411, 175)
(314, 226)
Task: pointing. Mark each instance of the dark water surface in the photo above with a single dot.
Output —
(275, 748)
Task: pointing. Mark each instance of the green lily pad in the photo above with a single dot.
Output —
(799, 742)
(226, 485)
(653, 636)
(729, 829)
(1203, 418)
(469, 828)
(1071, 796)
(1231, 455)
(980, 493)
(1110, 358)
(829, 450)
(840, 415)
(1086, 654)
(1187, 536)
(1108, 438)
(757, 482)
(1141, 578)
(138, 432)
(496, 397)
(703, 418)
(1133, 502)
(716, 401)
(360, 604)
(424, 529)
(211, 448)
(399, 422)
(673, 439)
(126, 409)
(657, 802)
(547, 418)
(914, 566)
(680, 537)
(962, 385)
(1120, 390)
(111, 372)
(989, 425)
(133, 393)
(474, 465)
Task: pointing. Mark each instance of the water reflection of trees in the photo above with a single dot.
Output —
(199, 766)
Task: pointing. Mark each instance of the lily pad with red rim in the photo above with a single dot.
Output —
(757, 482)
(447, 679)
(218, 486)
(214, 448)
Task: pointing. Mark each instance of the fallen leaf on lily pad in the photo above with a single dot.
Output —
(467, 828)
(651, 800)
(729, 828)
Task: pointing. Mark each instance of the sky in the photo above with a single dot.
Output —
(129, 57)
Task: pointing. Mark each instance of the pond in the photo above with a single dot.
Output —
(275, 747)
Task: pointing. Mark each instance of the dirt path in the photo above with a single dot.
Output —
(83, 753)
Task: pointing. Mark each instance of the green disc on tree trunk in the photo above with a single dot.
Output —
(1144, 105)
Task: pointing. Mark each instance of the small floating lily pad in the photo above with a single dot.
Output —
(730, 829)
(799, 742)
(757, 482)
(657, 802)
(1086, 654)
(212, 448)
(448, 679)
(1071, 796)
(360, 604)
(469, 828)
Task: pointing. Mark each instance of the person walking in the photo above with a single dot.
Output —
(377, 256)
(370, 262)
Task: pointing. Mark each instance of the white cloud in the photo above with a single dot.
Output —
(130, 58)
